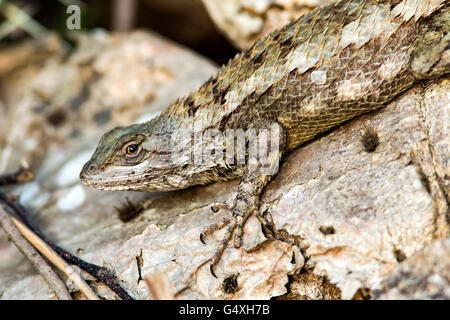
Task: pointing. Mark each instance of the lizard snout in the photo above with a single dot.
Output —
(89, 169)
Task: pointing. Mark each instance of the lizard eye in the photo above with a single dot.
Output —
(131, 150)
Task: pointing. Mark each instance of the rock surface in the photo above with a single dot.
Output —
(360, 213)
(426, 275)
(245, 21)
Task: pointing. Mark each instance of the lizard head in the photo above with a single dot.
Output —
(138, 157)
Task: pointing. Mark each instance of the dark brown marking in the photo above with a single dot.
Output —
(288, 42)
(394, 3)
(191, 107)
(57, 118)
(128, 210)
(230, 284)
(370, 139)
(400, 256)
(219, 98)
(259, 58)
(326, 230)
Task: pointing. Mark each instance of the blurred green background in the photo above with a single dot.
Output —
(184, 21)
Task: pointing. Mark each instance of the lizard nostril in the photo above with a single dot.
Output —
(90, 168)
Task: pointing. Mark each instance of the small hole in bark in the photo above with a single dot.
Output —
(399, 255)
(128, 210)
(326, 230)
(230, 284)
(57, 118)
(370, 139)
(293, 258)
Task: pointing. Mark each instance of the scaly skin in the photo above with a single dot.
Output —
(342, 60)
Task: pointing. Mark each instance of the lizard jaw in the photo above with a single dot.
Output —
(125, 183)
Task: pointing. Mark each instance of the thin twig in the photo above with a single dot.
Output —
(23, 174)
(159, 287)
(19, 18)
(54, 258)
(33, 256)
(97, 272)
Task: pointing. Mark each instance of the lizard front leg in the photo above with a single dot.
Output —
(257, 175)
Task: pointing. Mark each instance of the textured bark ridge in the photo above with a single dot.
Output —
(245, 21)
(426, 275)
(361, 213)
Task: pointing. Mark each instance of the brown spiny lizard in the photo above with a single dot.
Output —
(341, 60)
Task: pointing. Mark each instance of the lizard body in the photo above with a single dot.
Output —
(342, 60)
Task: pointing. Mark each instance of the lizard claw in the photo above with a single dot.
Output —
(211, 269)
(201, 238)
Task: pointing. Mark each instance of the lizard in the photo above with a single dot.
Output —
(341, 60)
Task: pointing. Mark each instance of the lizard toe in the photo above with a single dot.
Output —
(214, 227)
(223, 244)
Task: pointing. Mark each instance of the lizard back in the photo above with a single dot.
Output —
(345, 59)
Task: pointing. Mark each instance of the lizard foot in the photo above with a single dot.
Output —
(243, 208)
(257, 175)
(235, 227)
(216, 207)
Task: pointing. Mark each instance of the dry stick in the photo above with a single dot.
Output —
(159, 287)
(23, 174)
(97, 272)
(54, 258)
(33, 256)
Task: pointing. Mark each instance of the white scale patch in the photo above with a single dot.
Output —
(415, 8)
(360, 31)
(352, 89)
(319, 76)
(389, 69)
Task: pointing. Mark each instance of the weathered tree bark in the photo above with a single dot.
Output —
(426, 275)
(361, 213)
(245, 21)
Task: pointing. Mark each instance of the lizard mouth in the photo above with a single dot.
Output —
(103, 184)
(99, 180)
(122, 183)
